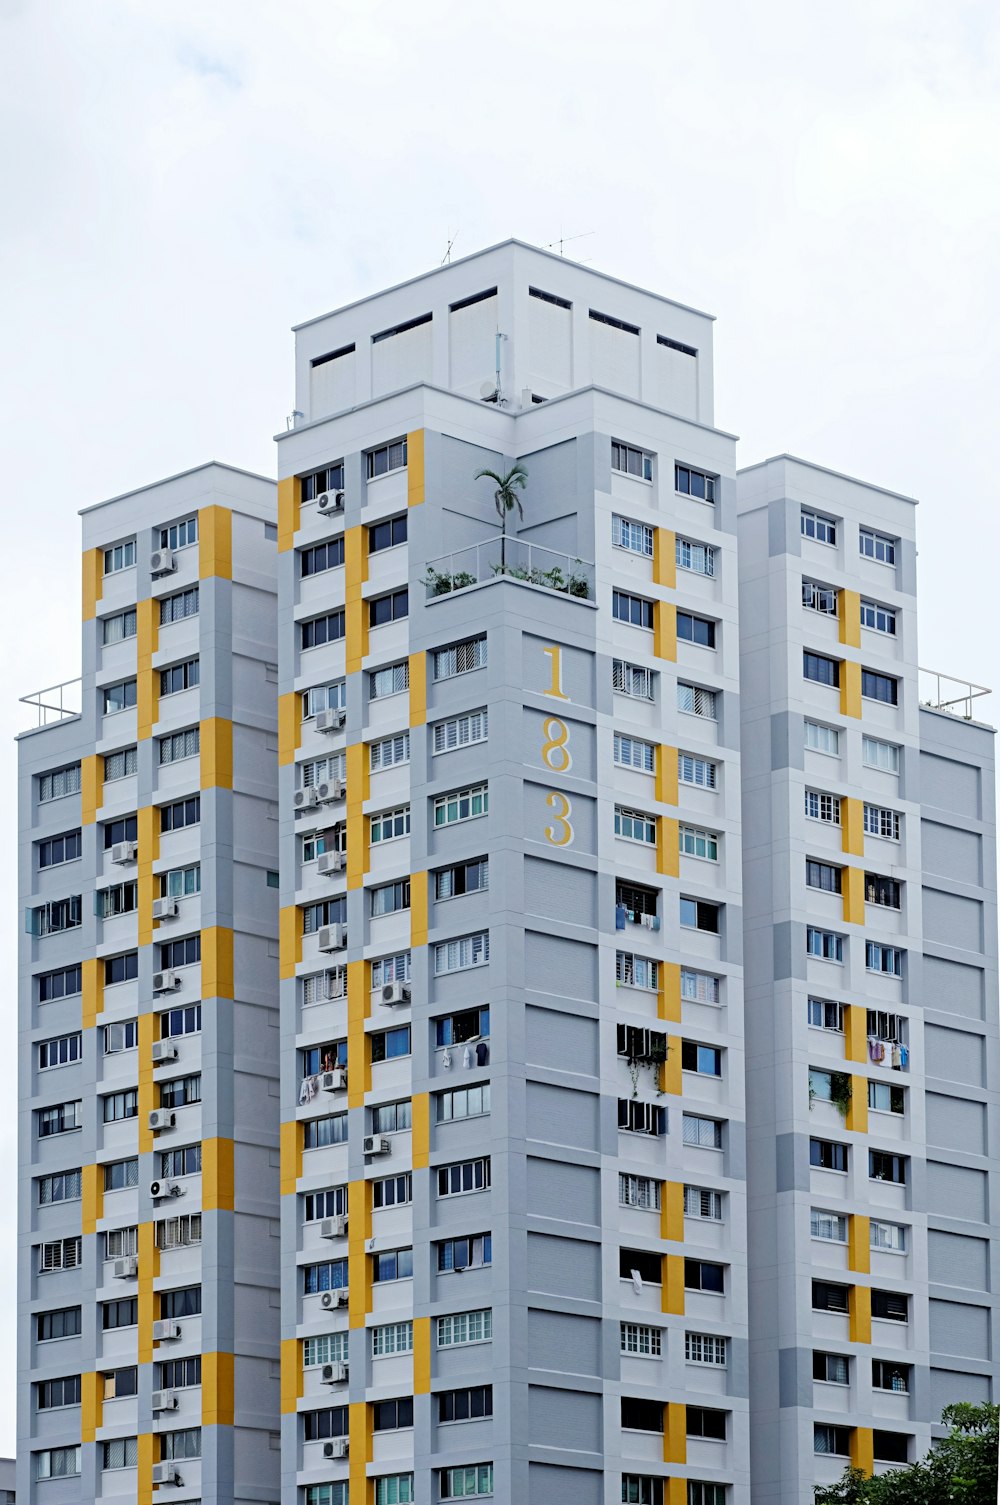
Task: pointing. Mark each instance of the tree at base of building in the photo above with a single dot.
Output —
(961, 1468)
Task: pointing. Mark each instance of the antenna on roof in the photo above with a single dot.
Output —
(447, 255)
(565, 239)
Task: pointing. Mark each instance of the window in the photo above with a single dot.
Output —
(631, 609)
(390, 825)
(63, 1323)
(390, 1044)
(813, 525)
(392, 1337)
(121, 557)
(391, 969)
(180, 1374)
(60, 1118)
(468, 951)
(630, 461)
(831, 1226)
(462, 1028)
(179, 1232)
(636, 971)
(700, 1202)
(703, 1348)
(885, 959)
(824, 739)
(332, 697)
(463, 1102)
(318, 1133)
(465, 1405)
(831, 1368)
(822, 598)
(467, 1482)
(882, 822)
(636, 1117)
(891, 1306)
(698, 843)
(58, 782)
(631, 679)
(461, 1328)
(390, 898)
(320, 770)
(177, 1445)
(637, 1338)
(630, 752)
(458, 731)
(119, 1242)
(641, 1415)
(122, 1313)
(694, 483)
(55, 917)
(891, 1236)
(184, 1161)
(692, 629)
(706, 1133)
(182, 953)
(392, 607)
(470, 1253)
(181, 1091)
(823, 875)
(60, 1051)
(119, 697)
(879, 618)
(701, 1493)
(884, 687)
(825, 807)
(392, 1118)
(179, 677)
(387, 457)
(120, 1452)
(638, 1191)
(824, 1013)
(326, 629)
(828, 1155)
(387, 535)
(394, 1489)
(65, 982)
(699, 914)
(392, 680)
(121, 898)
(182, 1021)
(634, 902)
(118, 765)
(326, 1494)
(703, 1422)
(323, 1057)
(50, 1395)
(63, 1186)
(829, 1297)
(462, 804)
(389, 751)
(120, 1174)
(318, 1425)
(390, 1415)
(180, 882)
(694, 701)
(883, 891)
(180, 814)
(180, 745)
(57, 1463)
(179, 535)
(175, 608)
(830, 1439)
(699, 987)
(460, 658)
(642, 1489)
(699, 558)
(324, 1204)
(876, 546)
(883, 1166)
(636, 537)
(330, 478)
(823, 670)
(888, 1374)
(322, 557)
(881, 755)
(60, 1254)
(704, 1059)
(115, 831)
(701, 772)
(331, 1275)
(890, 1447)
(118, 628)
(465, 878)
(824, 944)
(120, 1105)
(634, 826)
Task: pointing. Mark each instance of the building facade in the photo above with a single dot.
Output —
(148, 1257)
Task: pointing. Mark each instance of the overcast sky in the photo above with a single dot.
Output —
(180, 183)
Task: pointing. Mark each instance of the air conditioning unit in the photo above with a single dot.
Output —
(166, 1473)
(164, 1400)
(330, 1299)
(162, 562)
(305, 799)
(330, 862)
(165, 982)
(333, 1227)
(331, 937)
(330, 501)
(334, 1374)
(337, 1447)
(396, 992)
(127, 1267)
(330, 789)
(376, 1145)
(163, 1050)
(162, 1118)
(124, 851)
(335, 1080)
(160, 1189)
(330, 720)
(166, 1331)
(164, 909)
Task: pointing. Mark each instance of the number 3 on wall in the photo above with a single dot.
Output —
(560, 833)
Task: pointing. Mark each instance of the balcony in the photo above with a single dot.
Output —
(55, 703)
(945, 692)
(527, 563)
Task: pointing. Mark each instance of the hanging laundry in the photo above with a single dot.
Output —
(482, 1053)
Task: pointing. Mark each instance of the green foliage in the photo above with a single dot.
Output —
(962, 1467)
(508, 483)
(439, 582)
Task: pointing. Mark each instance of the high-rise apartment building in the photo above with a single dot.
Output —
(148, 1258)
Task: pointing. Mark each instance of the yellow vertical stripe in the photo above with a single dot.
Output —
(92, 1197)
(217, 753)
(291, 1156)
(421, 1355)
(359, 1231)
(672, 1293)
(289, 727)
(672, 1211)
(355, 607)
(856, 1032)
(218, 1175)
(289, 494)
(149, 1269)
(666, 775)
(853, 894)
(93, 581)
(147, 690)
(849, 618)
(667, 846)
(418, 909)
(415, 489)
(675, 1432)
(852, 826)
(665, 630)
(850, 688)
(358, 784)
(857, 1111)
(92, 990)
(859, 1310)
(359, 1430)
(217, 965)
(291, 1375)
(863, 1449)
(218, 1378)
(670, 1069)
(359, 1064)
(148, 834)
(90, 788)
(146, 1449)
(215, 543)
(147, 1091)
(677, 1490)
(418, 689)
(289, 939)
(668, 998)
(91, 1404)
(859, 1249)
(421, 1119)
(665, 557)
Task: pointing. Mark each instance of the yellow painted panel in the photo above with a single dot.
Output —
(359, 1229)
(672, 1211)
(421, 1355)
(665, 557)
(355, 633)
(291, 1375)
(93, 581)
(149, 1269)
(863, 1449)
(90, 786)
(289, 727)
(666, 775)
(853, 886)
(677, 1490)
(665, 630)
(856, 1032)
(147, 1087)
(91, 1404)
(358, 783)
(92, 990)
(669, 994)
(217, 965)
(418, 689)
(148, 834)
(147, 691)
(289, 502)
(859, 1310)
(849, 618)
(359, 1432)
(359, 1061)
(218, 1381)
(857, 1111)
(289, 939)
(859, 1249)
(672, 1296)
(670, 1069)
(675, 1432)
(415, 489)
(418, 909)
(147, 1454)
(850, 689)
(217, 753)
(421, 1118)
(852, 826)
(92, 1197)
(218, 1175)
(215, 543)
(291, 1156)
(667, 846)
(355, 607)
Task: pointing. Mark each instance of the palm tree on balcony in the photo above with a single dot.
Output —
(506, 499)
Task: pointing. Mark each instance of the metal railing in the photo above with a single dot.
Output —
(945, 692)
(514, 559)
(56, 702)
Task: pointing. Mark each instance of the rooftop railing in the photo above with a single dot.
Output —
(55, 703)
(514, 559)
(943, 692)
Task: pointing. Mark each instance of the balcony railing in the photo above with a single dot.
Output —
(55, 703)
(516, 560)
(943, 692)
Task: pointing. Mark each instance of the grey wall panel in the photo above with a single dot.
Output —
(955, 1260)
(558, 1115)
(950, 1385)
(951, 852)
(555, 965)
(954, 987)
(951, 920)
(955, 1054)
(950, 785)
(954, 1191)
(558, 1340)
(955, 1123)
(564, 1267)
(960, 1329)
(564, 1418)
(549, 1485)
(579, 756)
(557, 1189)
(556, 890)
(564, 1041)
